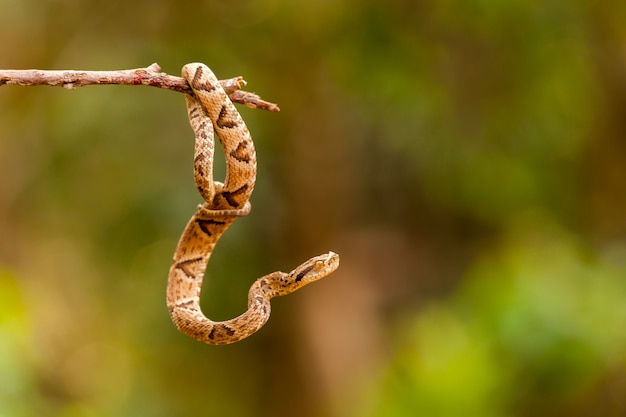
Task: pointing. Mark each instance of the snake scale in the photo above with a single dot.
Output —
(210, 110)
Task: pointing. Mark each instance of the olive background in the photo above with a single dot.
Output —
(466, 159)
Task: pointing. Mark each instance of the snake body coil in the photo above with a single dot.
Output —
(209, 109)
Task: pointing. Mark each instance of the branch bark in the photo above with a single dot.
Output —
(150, 76)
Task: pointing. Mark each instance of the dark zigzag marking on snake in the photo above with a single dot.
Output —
(205, 225)
(197, 163)
(199, 158)
(222, 122)
(204, 134)
(196, 84)
(241, 153)
(194, 113)
(212, 334)
(189, 305)
(185, 266)
(227, 329)
(231, 196)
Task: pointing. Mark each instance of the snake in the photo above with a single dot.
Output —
(211, 112)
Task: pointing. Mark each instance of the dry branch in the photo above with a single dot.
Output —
(139, 76)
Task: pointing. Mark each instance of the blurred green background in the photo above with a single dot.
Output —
(467, 160)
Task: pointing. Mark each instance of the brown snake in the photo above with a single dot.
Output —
(209, 110)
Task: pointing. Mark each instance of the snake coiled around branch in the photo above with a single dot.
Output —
(210, 110)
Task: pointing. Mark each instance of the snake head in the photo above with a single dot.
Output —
(312, 270)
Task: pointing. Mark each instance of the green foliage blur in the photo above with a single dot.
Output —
(466, 159)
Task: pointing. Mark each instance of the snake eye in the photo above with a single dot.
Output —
(319, 264)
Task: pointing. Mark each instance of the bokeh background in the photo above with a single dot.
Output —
(467, 160)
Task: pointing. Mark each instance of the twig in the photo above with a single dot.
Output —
(139, 76)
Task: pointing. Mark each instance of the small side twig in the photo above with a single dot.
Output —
(150, 76)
